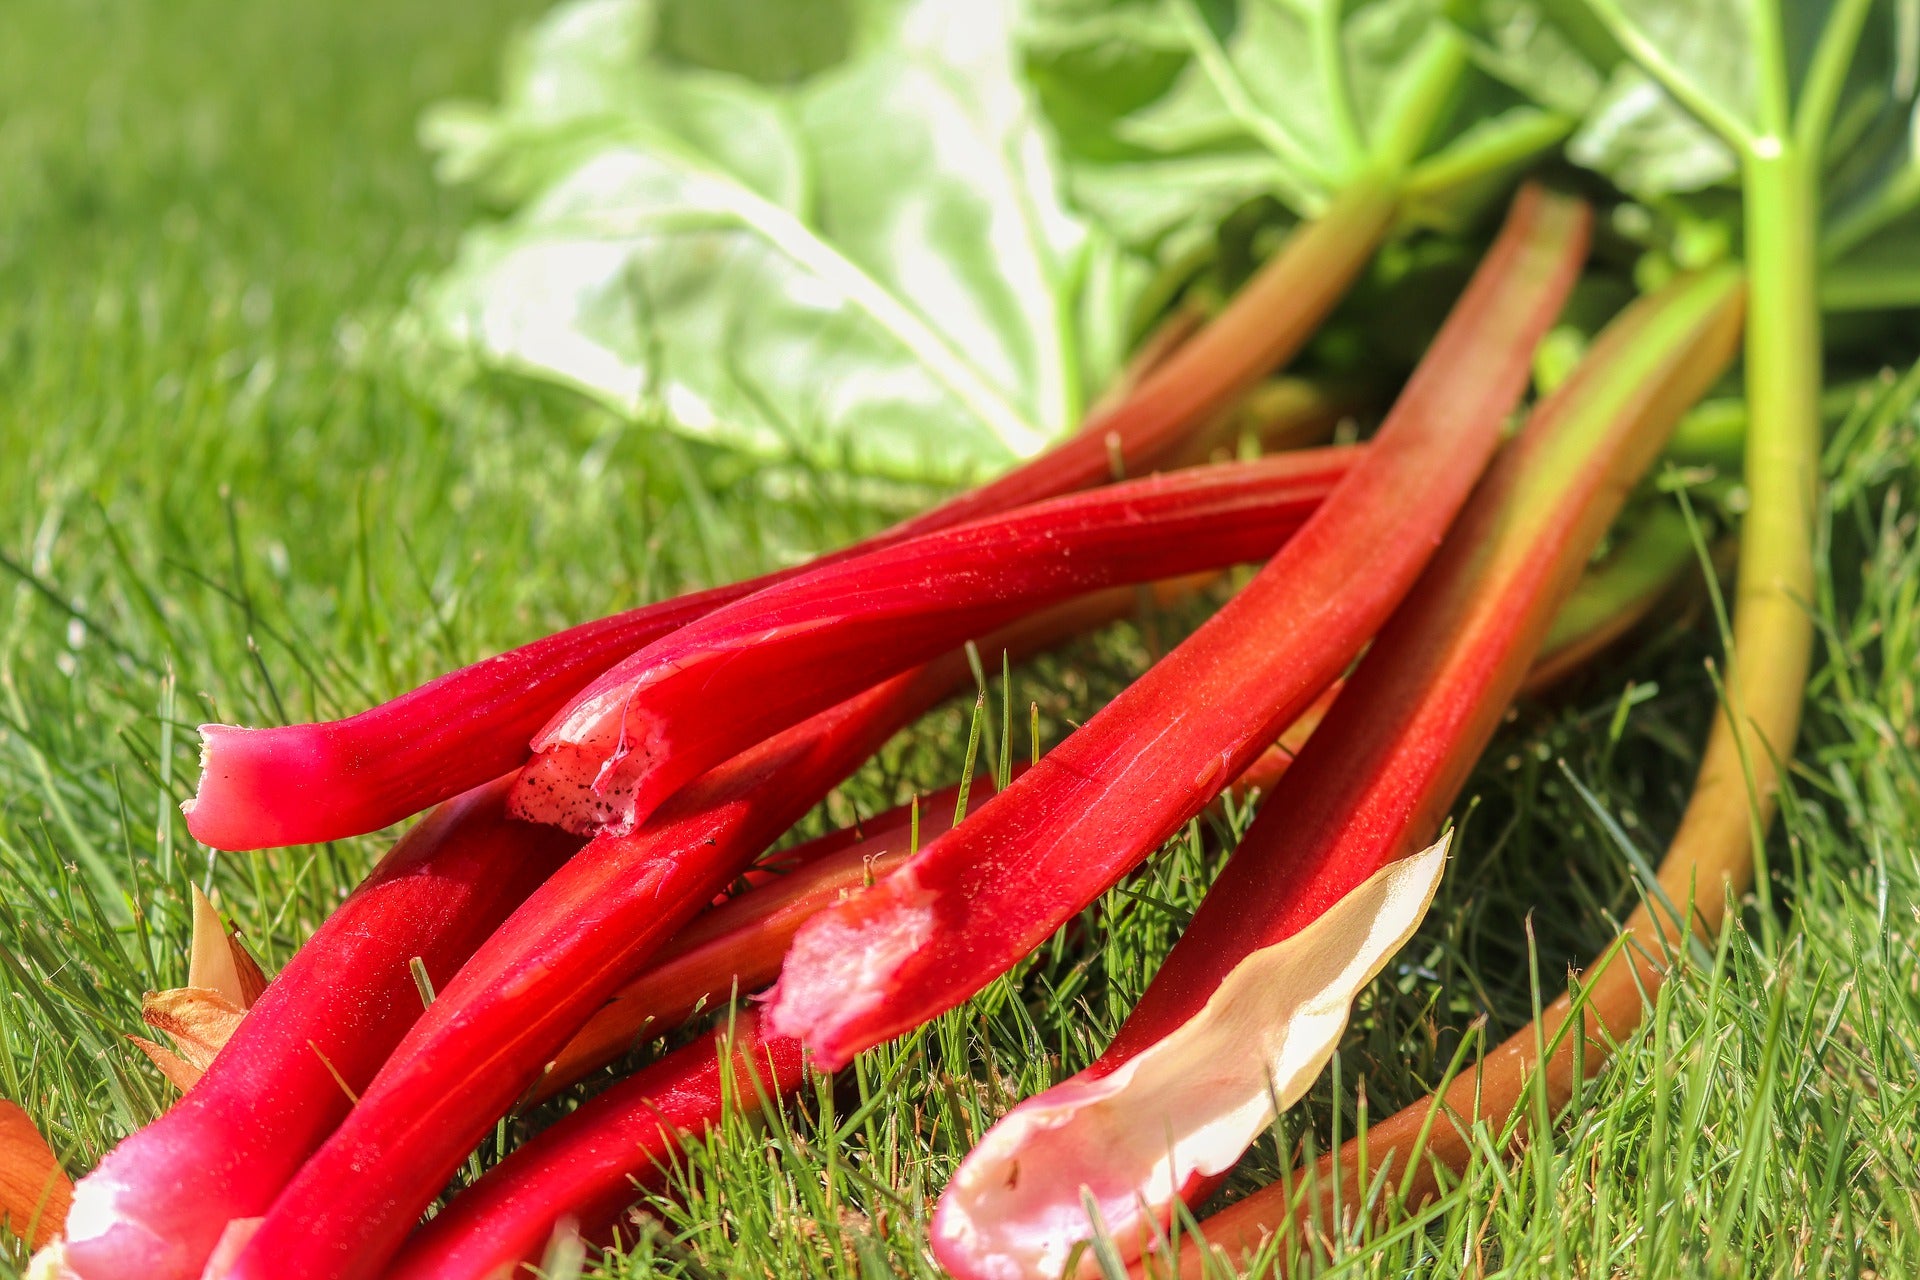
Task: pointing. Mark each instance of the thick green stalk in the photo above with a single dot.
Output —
(1734, 797)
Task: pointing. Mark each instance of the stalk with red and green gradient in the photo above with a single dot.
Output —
(717, 686)
(557, 959)
(156, 1206)
(1374, 782)
(978, 900)
(297, 784)
(590, 1166)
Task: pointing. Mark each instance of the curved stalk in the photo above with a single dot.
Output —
(305, 783)
(1722, 832)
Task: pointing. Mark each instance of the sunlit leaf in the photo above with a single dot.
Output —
(869, 268)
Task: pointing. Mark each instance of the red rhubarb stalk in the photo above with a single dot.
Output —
(157, 1204)
(979, 899)
(558, 958)
(716, 686)
(740, 944)
(1370, 788)
(585, 1170)
(263, 788)
(734, 948)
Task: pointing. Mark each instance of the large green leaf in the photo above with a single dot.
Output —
(1631, 129)
(869, 267)
(1676, 136)
(1176, 111)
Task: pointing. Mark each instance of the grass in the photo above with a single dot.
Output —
(224, 497)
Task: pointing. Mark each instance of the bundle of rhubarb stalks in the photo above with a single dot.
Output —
(603, 860)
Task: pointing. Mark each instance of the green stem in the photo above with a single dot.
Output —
(1489, 152)
(1772, 105)
(1408, 118)
(1329, 50)
(1827, 76)
(1722, 833)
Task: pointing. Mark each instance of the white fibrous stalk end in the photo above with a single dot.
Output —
(1188, 1106)
(844, 963)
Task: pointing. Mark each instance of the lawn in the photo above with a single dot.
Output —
(231, 493)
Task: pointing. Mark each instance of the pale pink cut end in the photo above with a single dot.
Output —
(1184, 1109)
(104, 1242)
(587, 774)
(557, 788)
(263, 788)
(840, 970)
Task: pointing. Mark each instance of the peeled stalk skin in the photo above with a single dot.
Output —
(588, 1167)
(978, 900)
(307, 783)
(156, 1205)
(1378, 776)
(708, 691)
(593, 925)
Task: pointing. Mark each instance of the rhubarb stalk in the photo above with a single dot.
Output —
(158, 1203)
(735, 948)
(1736, 792)
(979, 899)
(583, 1172)
(296, 784)
(1370, 787)
(716, 686)
(557, 959)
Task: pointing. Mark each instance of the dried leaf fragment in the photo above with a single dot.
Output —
(223, 981)
(197, 1020)
(218, 962)
(34, 1189)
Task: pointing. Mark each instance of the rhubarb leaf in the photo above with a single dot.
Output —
(869, 268)
(1176, 111)
(1215, 1084)
(1666, 99)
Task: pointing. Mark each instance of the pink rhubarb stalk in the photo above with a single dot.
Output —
(297, 784)
(585, 1170)
(716, 686)
(557, 959)
(979, 899)
(1370, 788)
(735, 948)
(156, 1206)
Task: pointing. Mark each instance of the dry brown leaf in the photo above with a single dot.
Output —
(198, 1021)
(218, 961)
(34, 1189)
(252, 980)
(183, 1074)
(223, 981)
